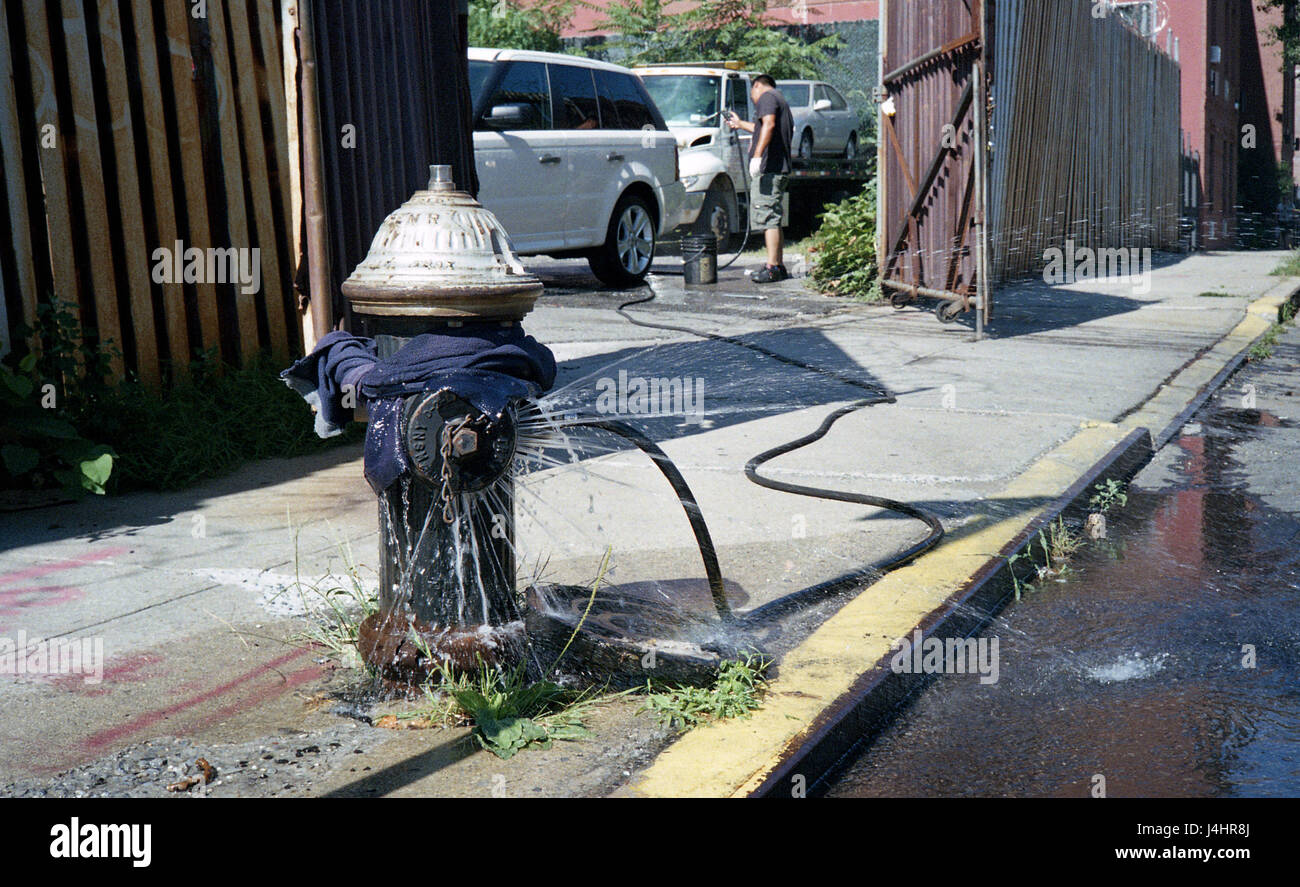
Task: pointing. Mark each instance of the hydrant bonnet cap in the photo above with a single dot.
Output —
(442, 254)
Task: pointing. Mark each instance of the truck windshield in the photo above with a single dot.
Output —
(685, 99)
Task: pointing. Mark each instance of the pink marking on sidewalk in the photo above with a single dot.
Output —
(126, 669)
(113, 734)
(14, 601)
(58, 566)
(291, 680)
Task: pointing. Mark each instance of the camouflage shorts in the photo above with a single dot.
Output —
(765, 200)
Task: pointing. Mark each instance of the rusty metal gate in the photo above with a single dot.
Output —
(933, 154)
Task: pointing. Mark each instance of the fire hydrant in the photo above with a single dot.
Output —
(441, 294)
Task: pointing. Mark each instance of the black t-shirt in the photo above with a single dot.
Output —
(777, 158)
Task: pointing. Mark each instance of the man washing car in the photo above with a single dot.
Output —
(769, 169)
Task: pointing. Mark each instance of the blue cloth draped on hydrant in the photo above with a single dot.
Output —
(485, 365)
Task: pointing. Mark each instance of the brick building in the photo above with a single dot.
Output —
(1238, 111)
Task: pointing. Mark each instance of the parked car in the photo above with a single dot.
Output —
(823, 122)
(694, 100)
(574, 159)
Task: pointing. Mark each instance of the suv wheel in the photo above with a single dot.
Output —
(851, 148)
(629, 248)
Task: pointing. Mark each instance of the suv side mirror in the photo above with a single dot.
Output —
(515, 115)
(822, 105)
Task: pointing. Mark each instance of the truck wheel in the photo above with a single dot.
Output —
(851, 149)
(716, 216)
(629, 248)
(806, 145)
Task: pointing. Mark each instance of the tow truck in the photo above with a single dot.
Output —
(694, 98)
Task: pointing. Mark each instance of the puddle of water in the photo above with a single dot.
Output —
(1169, 664)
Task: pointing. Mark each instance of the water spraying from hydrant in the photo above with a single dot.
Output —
(453, 390)
(441, 364)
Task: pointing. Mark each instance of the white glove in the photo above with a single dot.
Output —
(755, 164)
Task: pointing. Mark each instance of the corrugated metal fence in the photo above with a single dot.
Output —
(927, 144)
(394, 98)
(129, 128)
(1085, 133)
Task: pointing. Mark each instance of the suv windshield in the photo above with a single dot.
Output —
(478, 74)
(685, 99)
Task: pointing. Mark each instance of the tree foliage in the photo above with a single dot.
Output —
(516, 24)
(742, 30)
(1287, 33)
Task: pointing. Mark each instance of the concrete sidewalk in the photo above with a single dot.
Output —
(182, 588)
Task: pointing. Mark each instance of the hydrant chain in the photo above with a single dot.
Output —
(450, 434)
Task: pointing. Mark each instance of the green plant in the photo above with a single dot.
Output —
(843, 250)
(1059, 545)
(1288, 267)
(648, 32)
(508, 712)
(1288, 32)
(1108, 495)
(42, 395)
(736, 692)
(1015, 580)
(207, 426)
(1262, 349)
(69, 357)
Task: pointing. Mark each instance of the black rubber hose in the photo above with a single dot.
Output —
(708, 553)
(824, 589)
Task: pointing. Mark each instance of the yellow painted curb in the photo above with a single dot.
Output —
(1172, 397)
(733, 758)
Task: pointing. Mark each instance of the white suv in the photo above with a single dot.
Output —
(574, 159)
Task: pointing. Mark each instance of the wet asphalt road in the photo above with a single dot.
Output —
(1166, 661)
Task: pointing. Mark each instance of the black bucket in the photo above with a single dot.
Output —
(700, 259)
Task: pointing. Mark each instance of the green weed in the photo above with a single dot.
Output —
(737, 691)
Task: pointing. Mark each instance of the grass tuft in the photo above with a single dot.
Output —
(508, 712)
(738, 690)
